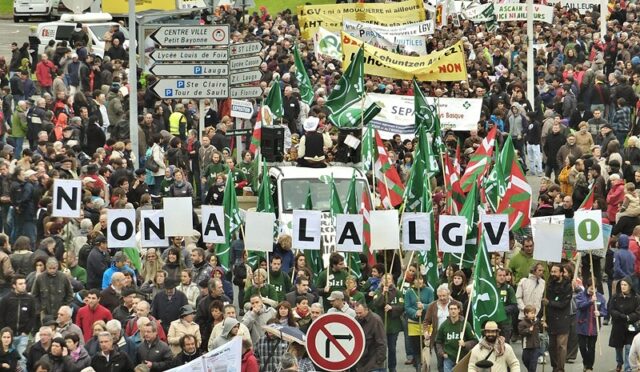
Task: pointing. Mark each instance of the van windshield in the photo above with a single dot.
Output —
(294, 193)
(100, 30)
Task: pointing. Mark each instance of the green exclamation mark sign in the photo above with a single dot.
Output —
(588, 230)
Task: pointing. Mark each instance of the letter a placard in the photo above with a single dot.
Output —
(495, 231)
(213, 224)
(349, 232)
(121, 227)
(416, 231)
(67, 195)
(453, 234)
(306, 229)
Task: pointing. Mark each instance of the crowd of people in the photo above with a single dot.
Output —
(70, 302)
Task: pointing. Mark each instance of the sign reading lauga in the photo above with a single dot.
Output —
(444, 65)
(330, 16)
(518, 12)
(396, 116)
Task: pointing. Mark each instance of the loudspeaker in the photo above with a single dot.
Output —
(272, 144)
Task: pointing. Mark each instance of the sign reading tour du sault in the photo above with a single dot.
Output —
(175, 36)
(192, 88)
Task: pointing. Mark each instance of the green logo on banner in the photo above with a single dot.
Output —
(589, 230)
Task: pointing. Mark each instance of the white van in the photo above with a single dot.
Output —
(24, 9)
(97, 23)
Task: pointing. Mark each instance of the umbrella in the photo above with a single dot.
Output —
(287, 333)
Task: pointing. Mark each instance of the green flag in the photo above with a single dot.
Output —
(485, 297)
(426, 116)
(274, 100)
(265, 204)
(495, 184)
(232, 221)
(351, 207)
(312, 256)
(347, 92)
(354, 116)
(304, 84)
(470, 212)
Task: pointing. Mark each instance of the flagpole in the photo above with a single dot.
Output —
(464, 326)
(595, 305)
(404, 276)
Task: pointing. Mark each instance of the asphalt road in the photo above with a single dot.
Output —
(18, 32)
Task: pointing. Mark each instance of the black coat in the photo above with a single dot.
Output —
(97, 263)
(11, 358)
(220, 140)
(620, 307)
(167, 310)
(95, 138)
(158, 353)
(559, 295)
(19, 312)
(552, 146)
(33, 355)
(118, 362)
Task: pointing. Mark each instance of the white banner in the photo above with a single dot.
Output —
(121, 226)
(416, 231)
(181, 212)
(588, 230)
(518, 12)
(226, 358)
(259, 231)
(396, 116)
(452, 234)
(213, 224)
(583, 6)
(326, 43)
(306, 229)
(547, 238)
(495, 231)
(385, 231)
(392, 43)
(349, 233)
(412, 29)
(67, 198)
(152, 229)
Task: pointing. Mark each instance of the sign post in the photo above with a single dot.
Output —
(335, 342)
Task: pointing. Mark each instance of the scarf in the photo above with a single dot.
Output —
(498, 346)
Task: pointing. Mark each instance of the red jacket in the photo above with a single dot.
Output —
(634, 247)
(615, 199)
(249, 362)
(44, 69)
(86, 317)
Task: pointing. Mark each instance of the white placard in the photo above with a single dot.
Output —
(180, 211)
(416, 231)
(306, 229)
(121, 224)
(67, 198)
(495, 231)
(152, 229)
(588, 230)
(412, 29)
(452, 234)
(259, 231)
(213, 230)
(349, 233)
(518, 12)
(385, 231)
(547, 238)
(583, 6)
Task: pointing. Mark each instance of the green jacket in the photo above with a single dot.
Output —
(337, 282)
(448, 336)
(19, 123)
(521, 265)
(282, 284)
(356, 297)
(212, 172)
(79, 273)
(508, 298)
(392, 318)
(267, 290)
(165, 186)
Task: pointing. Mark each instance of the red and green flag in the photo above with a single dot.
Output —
(388, 182)
(480, 162)
(516, 200)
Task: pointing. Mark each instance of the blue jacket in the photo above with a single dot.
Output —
(411, 303)
(106, 277)
(586, 321)
(286, 255)
(623, 259)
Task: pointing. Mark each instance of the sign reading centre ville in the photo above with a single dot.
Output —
(335, 342)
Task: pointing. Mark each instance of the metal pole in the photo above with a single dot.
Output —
(133, 86)
(203, 113)
(239, 125)
(530, 58)
(604, 11)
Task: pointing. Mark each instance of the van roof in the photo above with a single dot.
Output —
(86, 17)
(293, 172)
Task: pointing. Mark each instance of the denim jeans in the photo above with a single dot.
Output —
(530, 359)
(448, 365)
(549, 168)
(17, 150)
(20, 344)
(24, 227)
(534, 159)
(392, 340)
(623, 359)
(408, 346)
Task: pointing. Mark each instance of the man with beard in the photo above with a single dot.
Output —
(493, 349)
(557, 301)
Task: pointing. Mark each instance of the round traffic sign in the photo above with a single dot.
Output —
(335, 342)
(218, 35)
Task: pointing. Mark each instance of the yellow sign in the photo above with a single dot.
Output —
(122, 6)
(444, 65)
(330, 16)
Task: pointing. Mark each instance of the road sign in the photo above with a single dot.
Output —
(192, 88)
(169, 36)
(238, 132)
(244, 63)
(241, 109)
(241, 49)
(242, 77)
(245, 92)
(185, 55)
(335, 342)
(189, 70)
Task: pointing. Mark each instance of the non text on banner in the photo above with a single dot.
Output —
(444, 65)
(349, 233)
(213, 230)
(67, 198)
(152, 229)
(121, 227)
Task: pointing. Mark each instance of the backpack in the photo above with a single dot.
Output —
(239, 271)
